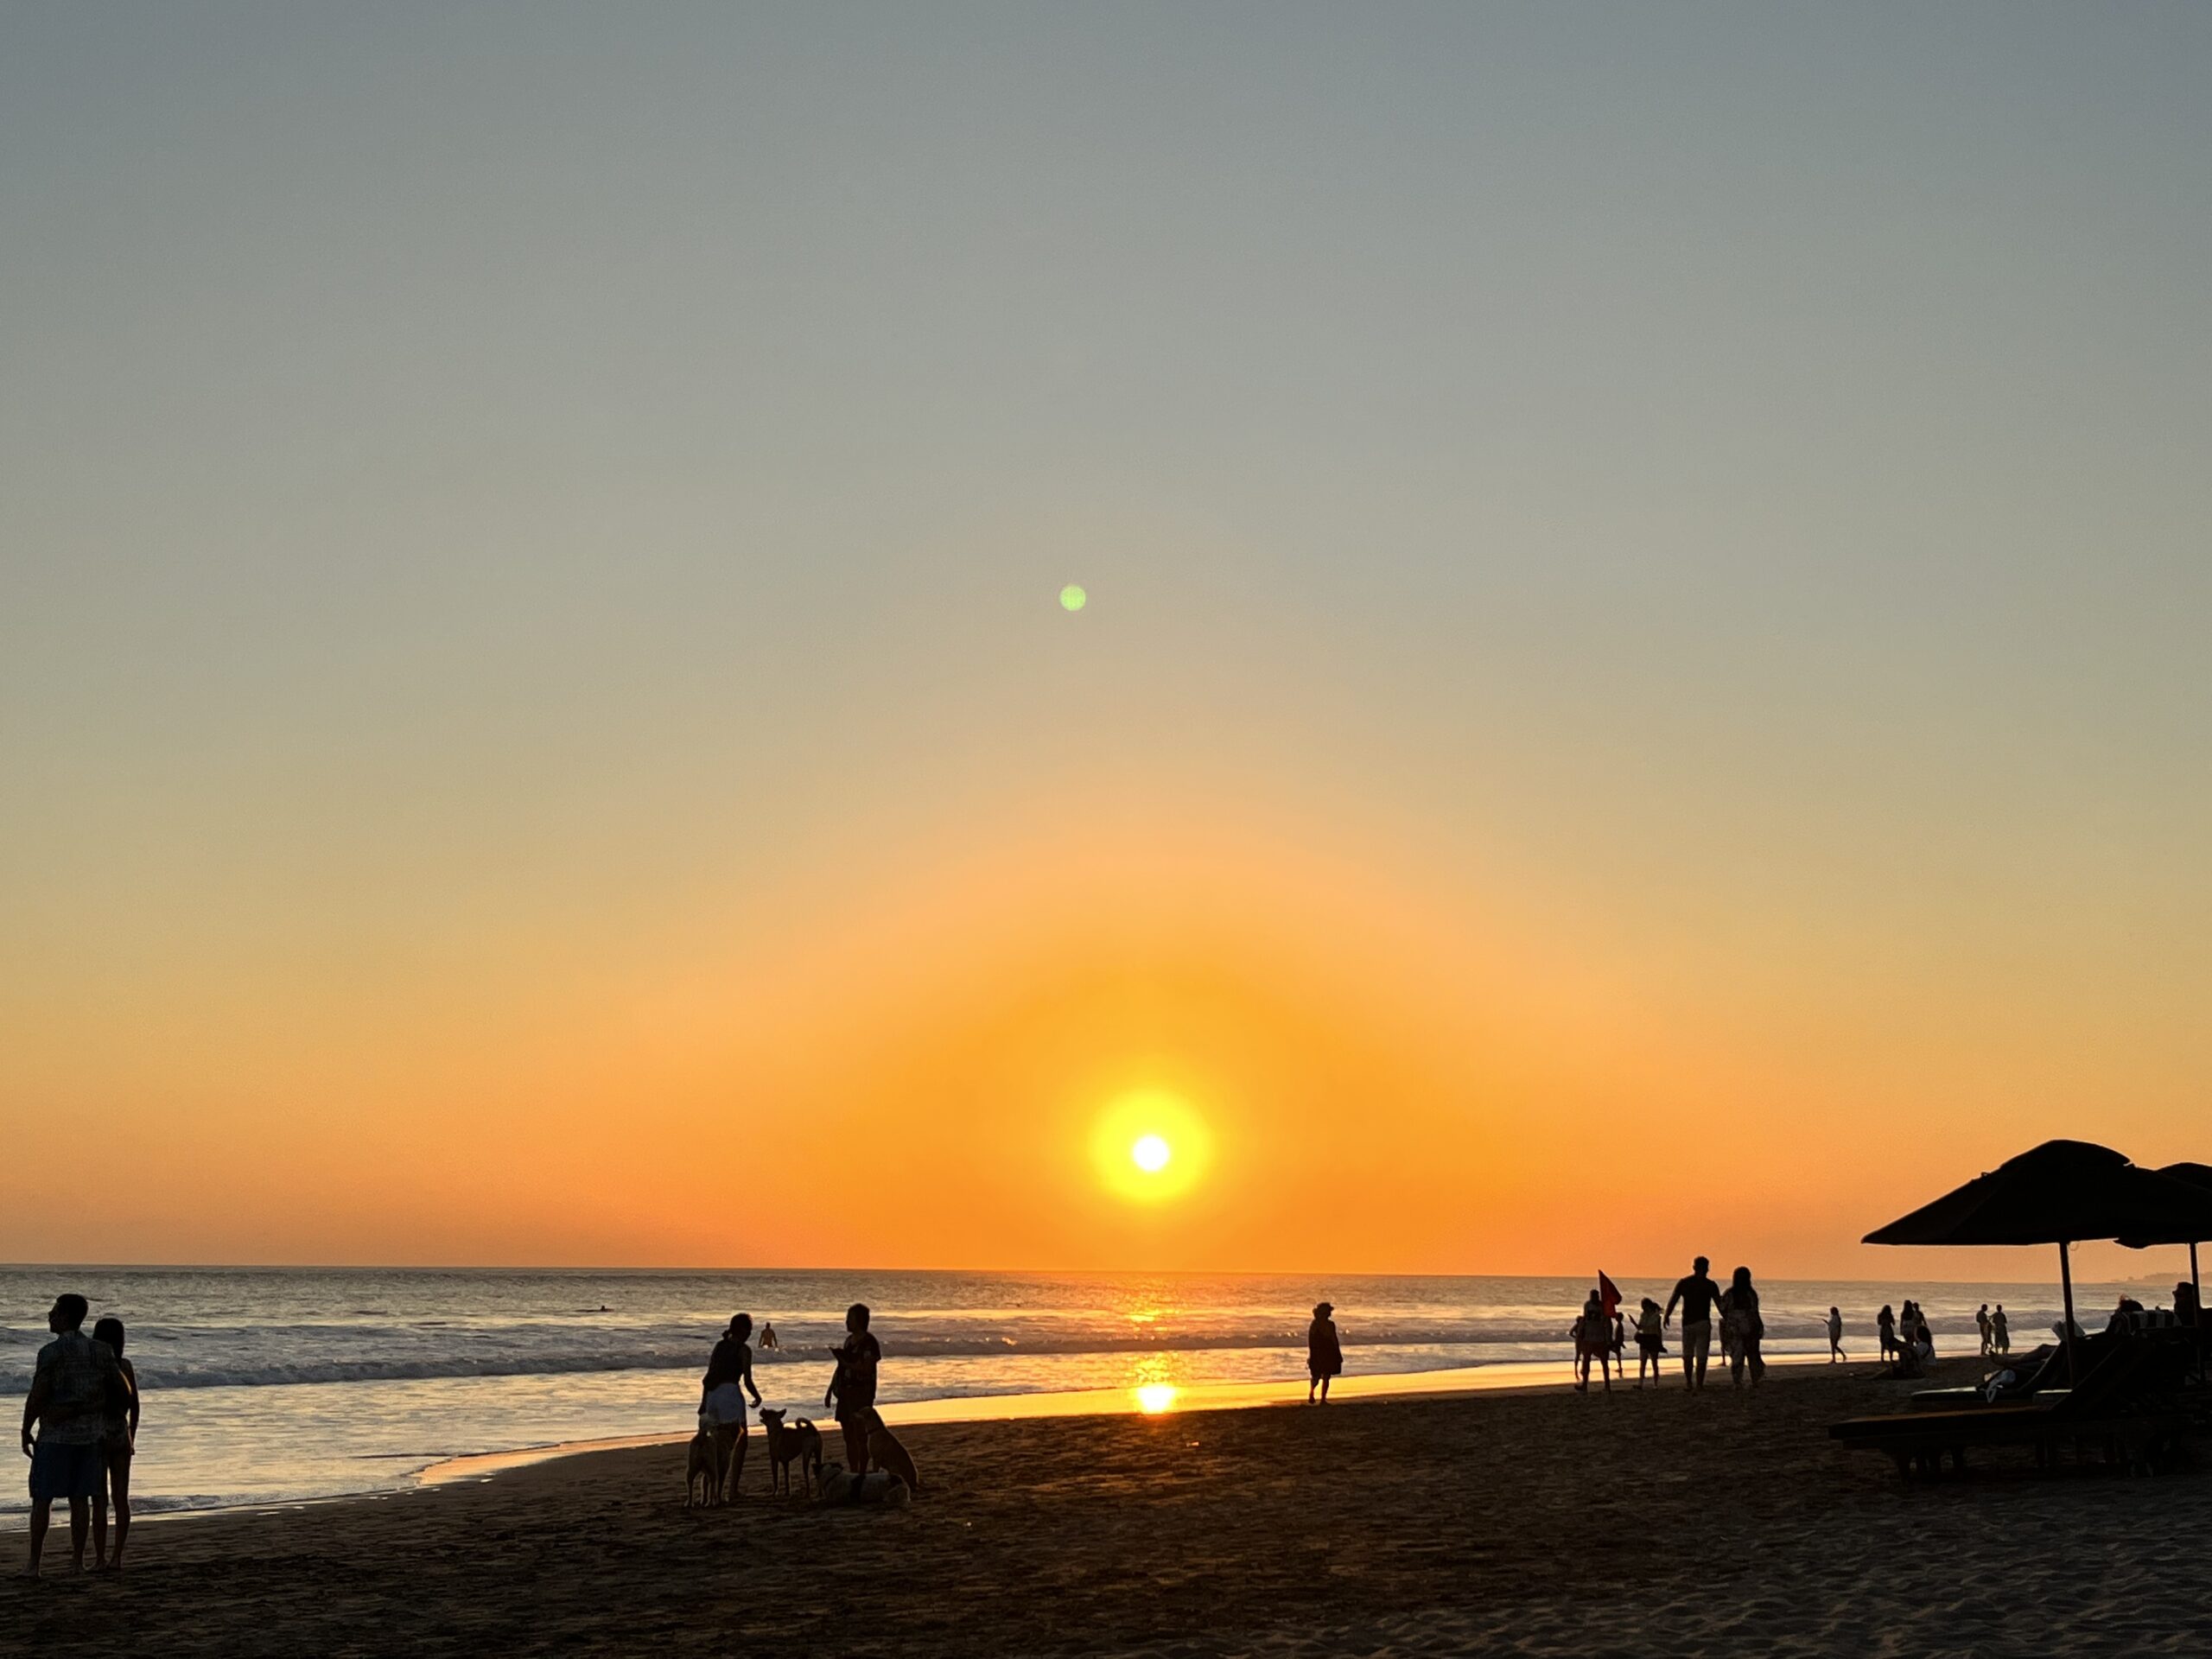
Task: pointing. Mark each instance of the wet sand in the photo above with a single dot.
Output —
(1539, 1523)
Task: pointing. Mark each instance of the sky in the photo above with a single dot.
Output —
(1644, 689)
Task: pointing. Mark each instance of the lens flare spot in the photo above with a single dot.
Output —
(1072, 598)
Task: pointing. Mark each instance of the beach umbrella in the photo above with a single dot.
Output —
(2060, 1192)
(2198, 1176)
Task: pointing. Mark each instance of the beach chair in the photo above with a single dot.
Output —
(2123, 1407)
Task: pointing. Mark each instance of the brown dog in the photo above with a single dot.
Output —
(702, 1469)
(885, 1451)
(801, 1443)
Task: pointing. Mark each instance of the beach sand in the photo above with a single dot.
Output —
(1539, 1523)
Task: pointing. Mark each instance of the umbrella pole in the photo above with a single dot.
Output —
(2066, 1286)
(2197, 1285)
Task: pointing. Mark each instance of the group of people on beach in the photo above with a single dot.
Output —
(850, 1396)
(1601, 1332)
(80, 1429)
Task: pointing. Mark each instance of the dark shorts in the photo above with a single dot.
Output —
(65, 1471)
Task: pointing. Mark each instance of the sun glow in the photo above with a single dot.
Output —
(1150, 1146)
(1156, 1397)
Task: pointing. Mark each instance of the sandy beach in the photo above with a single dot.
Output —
(1535, 1522)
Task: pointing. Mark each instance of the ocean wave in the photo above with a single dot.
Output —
(231, 1371)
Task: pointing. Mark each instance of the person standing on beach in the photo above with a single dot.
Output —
(118, 1444)
(721, 1402)
(67, 1405)
(1988, 1337)
(1885, 1327)
(1836, 1337)
(1696, 1293)
(1746, 1330)
(1999, 1331)
(1325, 1355)
(852, 1391)
(1651, 1342)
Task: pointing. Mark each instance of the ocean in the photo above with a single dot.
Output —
(265, 1386)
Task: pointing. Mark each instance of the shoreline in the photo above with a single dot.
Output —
(1502, 1377)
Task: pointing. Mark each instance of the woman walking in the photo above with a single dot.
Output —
(1325, 1355)
(1746, 1328)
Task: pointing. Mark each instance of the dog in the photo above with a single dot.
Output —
(702, 1469)
(885, 1450)
(800, 1443)
(878, 1487)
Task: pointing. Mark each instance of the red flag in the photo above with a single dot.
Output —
(1608, 1293)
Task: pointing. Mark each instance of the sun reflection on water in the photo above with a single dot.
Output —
(1154, 1384)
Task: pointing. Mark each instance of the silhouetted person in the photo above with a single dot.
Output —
(2000, 1330)
(768, 1343)
(1836, 1354)
(68, 1403)
(2186, 1312)
(721, 1401)
(1746, 1329)
(1651, 1342)
(1325, 1355)
(1593, 1339)
(851, 1392)
(1982, 1324)
(118, 1444)
(1696, 1293)
(1885, 1327)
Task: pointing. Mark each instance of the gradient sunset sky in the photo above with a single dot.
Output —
(1645, 684)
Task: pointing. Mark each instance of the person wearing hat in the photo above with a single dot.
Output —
(1324, 1357)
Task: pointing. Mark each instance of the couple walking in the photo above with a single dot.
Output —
(83, 1406)
(1741, 1327)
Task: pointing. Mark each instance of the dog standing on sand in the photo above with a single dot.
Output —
(702, 1468)
(801, 1443)
(886, 1451)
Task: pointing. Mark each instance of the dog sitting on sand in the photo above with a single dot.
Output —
(702, 1469)
(885, 1450)
(800, 1443)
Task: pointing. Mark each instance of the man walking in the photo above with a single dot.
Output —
(68, 1398)
(1697, 1293)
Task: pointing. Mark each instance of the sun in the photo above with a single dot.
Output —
(1150, 1146)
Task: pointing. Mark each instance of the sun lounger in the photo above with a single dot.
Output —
(2122, 1406)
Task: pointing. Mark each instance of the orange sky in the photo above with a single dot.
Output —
(1643, 690)
(1404, 1066)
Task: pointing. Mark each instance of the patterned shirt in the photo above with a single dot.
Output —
(75, 1369)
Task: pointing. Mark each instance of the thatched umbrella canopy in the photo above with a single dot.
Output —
(2192, 1233)
(2060, 1192)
